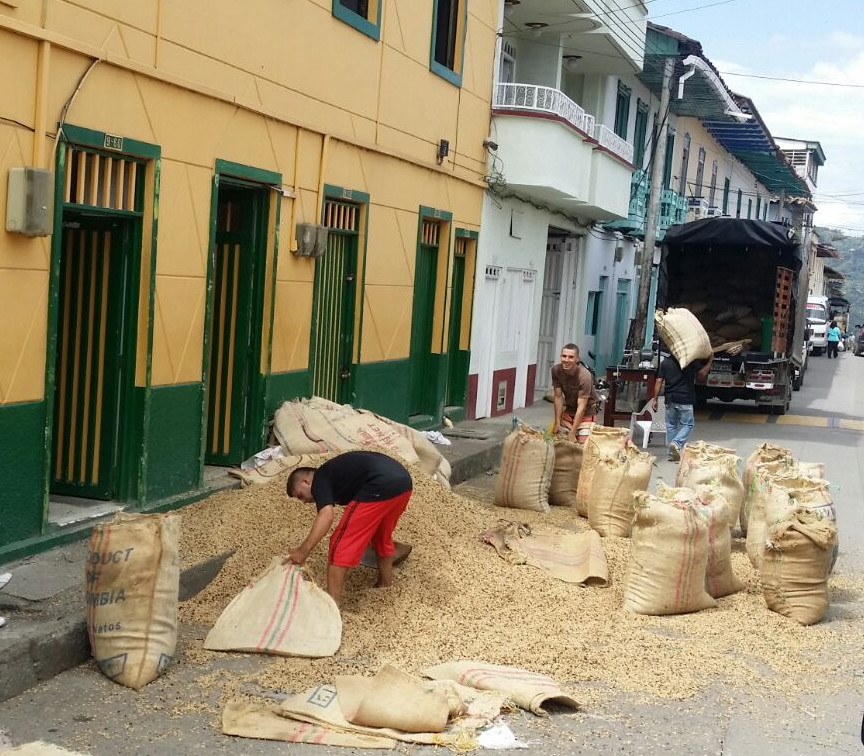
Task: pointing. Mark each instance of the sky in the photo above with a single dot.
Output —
(793, 39)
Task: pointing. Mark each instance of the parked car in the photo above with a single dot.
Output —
(858, 349)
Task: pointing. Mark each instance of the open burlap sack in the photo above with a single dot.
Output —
(602, 442)
(719, 471)
(527, 462)
(279, 612)
(668, 554)
(683, 334)
(263, 722)
(775, 461)
(132, 587)
(777, 496)
(795, 566)
(565, 473)
(765, 452)
(720, 580)
(392, 699)
(693, 449)
(616, 479)
(527, 690)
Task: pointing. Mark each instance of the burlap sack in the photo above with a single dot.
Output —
(683, 334)
(720, 580)
(247, 720)
(695, 449)
(39, 748)
(527, 461)
(795, 566)
(392, 699)
(602, 442)
(719, 471)
(616, 479)
(777, 496)
(279, 613)
(565, 473)
(527, 690)
(133, 581)
(780, 464)
(668, 554)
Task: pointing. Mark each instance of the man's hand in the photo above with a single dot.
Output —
(297, 556)
(655, 404)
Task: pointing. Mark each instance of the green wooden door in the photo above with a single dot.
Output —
(95, 270)
(334, 307)
(621, 321)
(423, 400)
(457, 359)
(235, 328)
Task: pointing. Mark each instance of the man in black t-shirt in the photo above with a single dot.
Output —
(680, 394)
(374, 489)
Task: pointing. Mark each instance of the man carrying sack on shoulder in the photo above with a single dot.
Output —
(576, 401)
(680, 391)
(374, 489)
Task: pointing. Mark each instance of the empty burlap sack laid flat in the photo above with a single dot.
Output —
(602, 442)
(132, 585)
(720, 580)
(668, 554)
(527, 690)
(263, 722)
(565, 473)
(718, 470)
(39, 748)
(527, 461)
(571, 557)
(779, 495)
(279, 612)
(616, 478)
(795, 566)
(683, 334)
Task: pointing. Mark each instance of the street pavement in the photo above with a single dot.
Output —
(81, 710)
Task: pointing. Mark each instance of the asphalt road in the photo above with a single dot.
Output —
(83, 711)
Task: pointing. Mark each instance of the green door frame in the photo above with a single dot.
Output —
(135, 410)
(458, 360)
(258, 179)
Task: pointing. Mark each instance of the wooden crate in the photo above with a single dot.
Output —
(782, 309)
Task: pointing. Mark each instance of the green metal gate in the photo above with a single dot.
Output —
(422, 398)
(335, 302)
(457, 364)
(235, 324)
(89, 358)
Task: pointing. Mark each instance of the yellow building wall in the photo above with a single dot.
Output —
(259, 84)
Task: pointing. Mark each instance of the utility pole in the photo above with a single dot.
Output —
(646, 261)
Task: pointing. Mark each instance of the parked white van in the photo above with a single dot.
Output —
(817, 319)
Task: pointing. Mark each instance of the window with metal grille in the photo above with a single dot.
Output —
(363, 15)
(448, 39)
(685, 162)
(98, 180)
(622, 110)
(713, 191)
(700, 173)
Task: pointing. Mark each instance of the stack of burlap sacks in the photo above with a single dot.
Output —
(726, 312)
(681, 538)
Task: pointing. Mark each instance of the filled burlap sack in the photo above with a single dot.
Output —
(777, 496)
(720, 580)
(719, 471)
(565, 473)
(602, 442)
(616, 479)
(527, 462)
(762, 454)
(683, 334)
(795, 566)
(668, 554)
(700, 449)
(281, 613)
(132, 586)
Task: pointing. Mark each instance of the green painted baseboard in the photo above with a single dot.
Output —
(382, 387)
(283, 387)
(22, 470)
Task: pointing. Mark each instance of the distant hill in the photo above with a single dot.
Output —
(851, 265)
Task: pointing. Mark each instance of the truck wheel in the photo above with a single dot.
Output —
(797, 382)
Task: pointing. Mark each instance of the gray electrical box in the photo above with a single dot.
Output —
(30, 202)
(311, 240)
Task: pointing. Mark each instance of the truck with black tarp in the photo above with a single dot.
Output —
(741, 279)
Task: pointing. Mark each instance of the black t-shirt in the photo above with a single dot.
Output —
(679, 384)
(363, 476)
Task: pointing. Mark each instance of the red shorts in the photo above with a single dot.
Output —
(567, 422)
(364, 522)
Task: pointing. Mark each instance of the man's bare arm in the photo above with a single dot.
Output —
(320, 528)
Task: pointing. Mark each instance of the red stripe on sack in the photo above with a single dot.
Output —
(285, 578)
(298, 736)
(682, 565)
(295, 598)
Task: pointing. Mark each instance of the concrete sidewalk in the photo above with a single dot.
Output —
(43, 603)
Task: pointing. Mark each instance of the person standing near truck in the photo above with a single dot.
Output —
(834, 335)
(680, 392)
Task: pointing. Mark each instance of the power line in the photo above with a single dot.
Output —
(795, 81)
(698, 7)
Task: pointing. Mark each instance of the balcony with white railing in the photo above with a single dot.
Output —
(533, 98)
(610, 141)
